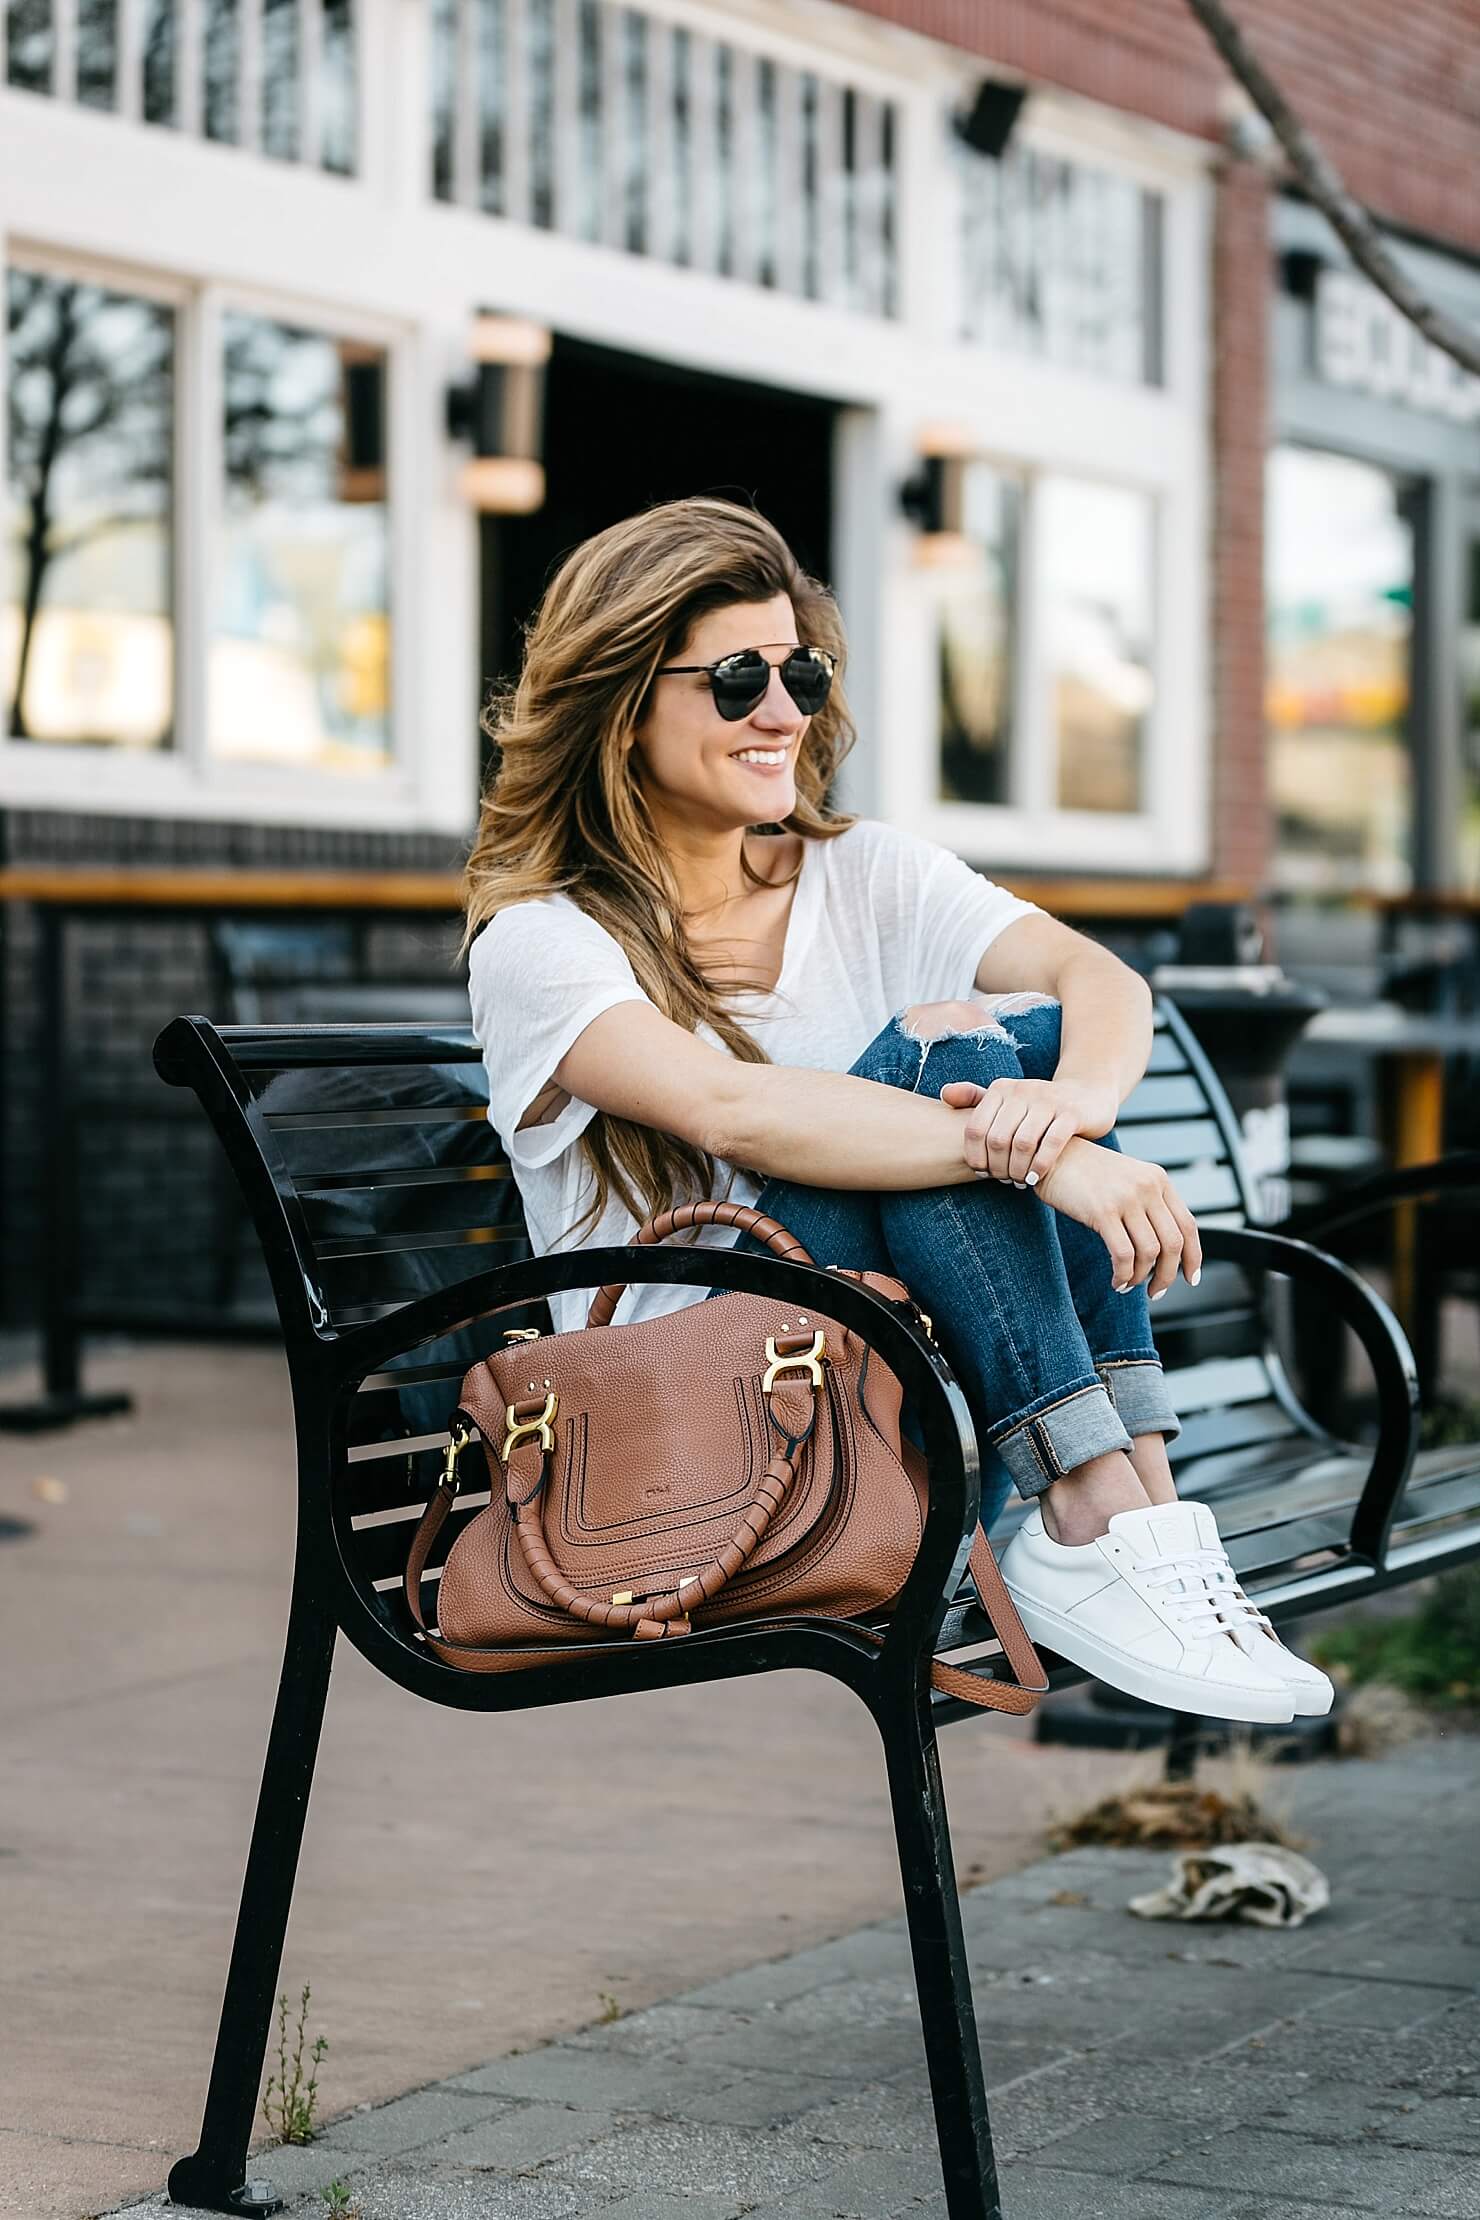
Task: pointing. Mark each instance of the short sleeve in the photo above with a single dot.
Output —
(936, 916)
(538, 973)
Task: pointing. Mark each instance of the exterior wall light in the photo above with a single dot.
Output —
(934, 496)
(500, 412)
(988, 124)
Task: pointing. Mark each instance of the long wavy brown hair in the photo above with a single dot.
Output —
(563, 813)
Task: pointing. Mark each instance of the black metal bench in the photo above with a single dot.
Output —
(392, 1232)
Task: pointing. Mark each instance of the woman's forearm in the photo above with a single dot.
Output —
(830, 1129)
(1106, 1025)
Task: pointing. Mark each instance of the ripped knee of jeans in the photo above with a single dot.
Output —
(978, 1018)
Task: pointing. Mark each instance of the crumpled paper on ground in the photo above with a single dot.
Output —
(1261, 1882)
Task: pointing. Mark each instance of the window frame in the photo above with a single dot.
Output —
(184, 779)
(163, 291)
(1030, 418)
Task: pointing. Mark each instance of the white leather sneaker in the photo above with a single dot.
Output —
(1312, 1692)
(1141, 1607)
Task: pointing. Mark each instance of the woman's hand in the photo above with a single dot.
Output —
(1134, 1208)
(1017, 1128)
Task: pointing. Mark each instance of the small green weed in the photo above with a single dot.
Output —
(290, 2099)
(1432, 1653)
(340, 2202)
(1449, 1422)
(610, 2008)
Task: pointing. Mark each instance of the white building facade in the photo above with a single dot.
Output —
(244, 246)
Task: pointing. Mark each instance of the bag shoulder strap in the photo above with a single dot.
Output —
(1029, 1681)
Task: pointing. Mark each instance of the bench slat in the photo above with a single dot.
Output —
(1166, 1052)
(1210, 1187)
(349, 1116)
(1171, 1142)
(390, 1179)
(1176, 1096)
(1219, 1383)
(356, 1246)
(1184, 1342)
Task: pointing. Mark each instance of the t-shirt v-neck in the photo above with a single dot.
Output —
(801, 924)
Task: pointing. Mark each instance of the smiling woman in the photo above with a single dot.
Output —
(693, 981)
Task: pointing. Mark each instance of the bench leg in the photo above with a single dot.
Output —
(947, 2017)
(214, 2176)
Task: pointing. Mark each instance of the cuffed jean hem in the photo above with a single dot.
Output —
(1040, 1449)
(1137, 1387)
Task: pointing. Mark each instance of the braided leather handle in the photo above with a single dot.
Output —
(659, 1613)
(769, 1230)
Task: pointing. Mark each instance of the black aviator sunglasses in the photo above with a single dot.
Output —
(738, 682)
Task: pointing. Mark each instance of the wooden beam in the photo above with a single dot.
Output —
(441, 891)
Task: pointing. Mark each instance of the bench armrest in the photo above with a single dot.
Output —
(950, 1436)
(1384, 1191)
(1387, 1350)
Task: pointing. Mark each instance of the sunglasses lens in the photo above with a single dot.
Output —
(807, 677)
(738, 683)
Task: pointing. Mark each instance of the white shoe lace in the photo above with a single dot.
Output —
(1208, 1598)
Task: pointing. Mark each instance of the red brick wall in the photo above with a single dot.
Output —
(1240, 816)
(1394, 94)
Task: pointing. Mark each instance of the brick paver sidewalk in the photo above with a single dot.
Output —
(1139, 2070)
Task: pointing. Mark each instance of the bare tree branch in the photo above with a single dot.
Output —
(1345, 214)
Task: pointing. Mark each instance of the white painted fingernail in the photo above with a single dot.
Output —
(1032, 1180)
(1021, 1185)
(1197, 1275)
(1156, 1298)
(1122, 1287)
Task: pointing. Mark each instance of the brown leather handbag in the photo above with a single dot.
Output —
(736, 1458)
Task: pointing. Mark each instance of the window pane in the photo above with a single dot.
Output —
(1469, 671)
(1062, 260)
(221, 52)
(1339, 589)
(587, 224)
(682, 142)
(159, 61)
(1097, 546)
(975, 644)
(634, 127)
(338, 90)
(722, 160)
(280, 74)
(764, 202)
(97, 52)
(86, 624)
(443, 41)
(300, 658)
(540, 62)
(28, 44)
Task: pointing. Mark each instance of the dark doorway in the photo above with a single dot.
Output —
(621, 432)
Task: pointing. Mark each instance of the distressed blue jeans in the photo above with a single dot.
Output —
(1055, 1366)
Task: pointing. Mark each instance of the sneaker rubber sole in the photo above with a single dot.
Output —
(1152, 1683)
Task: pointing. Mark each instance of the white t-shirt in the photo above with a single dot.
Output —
(880, 919)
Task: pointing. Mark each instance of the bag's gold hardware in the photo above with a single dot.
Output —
(521, 1333)
(809, 1361)
(924, 1318)
(457, 1442)
(623, 1595)
(522, 1429)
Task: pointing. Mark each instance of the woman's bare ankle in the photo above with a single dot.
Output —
(1079, 1508)
(1153, 1467)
